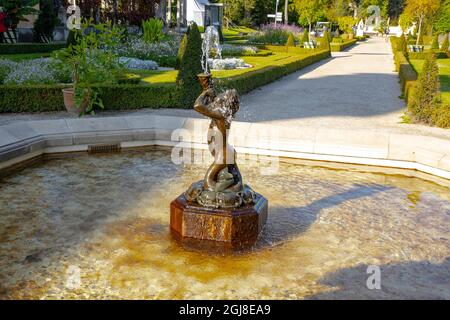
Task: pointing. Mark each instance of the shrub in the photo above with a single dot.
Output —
(346, 24)
(290, 41)
(230, 50)
(402, 45)
(441, 115)
(435, 43)
(45, 23)
(138, 64)
(181, 50)
(336, 47)
(39, 98)
(325, 41)
(427, 94)
(187, 82)
(305, 38)
(153, 30)
(444, 46)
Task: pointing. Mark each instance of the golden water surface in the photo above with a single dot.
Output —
(97, 227)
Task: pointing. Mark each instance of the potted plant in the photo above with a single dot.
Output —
(91, 62)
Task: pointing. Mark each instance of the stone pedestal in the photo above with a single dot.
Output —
(227, 228)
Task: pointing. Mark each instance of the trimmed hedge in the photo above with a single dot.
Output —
(40, 98)
(336, 47)
(12, 48)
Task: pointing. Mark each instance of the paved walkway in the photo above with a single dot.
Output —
(353, 89)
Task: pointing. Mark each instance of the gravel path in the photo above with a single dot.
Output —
(357, 88)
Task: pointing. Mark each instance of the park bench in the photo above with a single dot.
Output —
(309, 45)
(415, 48)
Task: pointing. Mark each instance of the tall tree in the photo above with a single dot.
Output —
(421, 10)
(310, 11)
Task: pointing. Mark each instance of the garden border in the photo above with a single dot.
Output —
(40, 98)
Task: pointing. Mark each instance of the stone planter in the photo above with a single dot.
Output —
(69, 102)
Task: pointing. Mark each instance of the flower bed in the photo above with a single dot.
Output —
(227, 64)
(138, 64)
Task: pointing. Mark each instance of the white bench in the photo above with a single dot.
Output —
(415, 48)
(309, 45)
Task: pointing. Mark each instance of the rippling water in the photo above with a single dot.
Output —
(97, 227)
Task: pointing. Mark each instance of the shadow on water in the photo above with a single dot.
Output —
(285, 223)
(406, 280)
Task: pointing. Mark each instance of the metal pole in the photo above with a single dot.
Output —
(276, 10)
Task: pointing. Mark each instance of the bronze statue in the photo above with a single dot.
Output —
(222, 186)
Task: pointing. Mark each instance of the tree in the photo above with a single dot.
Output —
(427, 94)
(421, 10)
(442, 23)
(310, 11)
(45, 23)
(18, 9)
(346, 24)
(187, 82)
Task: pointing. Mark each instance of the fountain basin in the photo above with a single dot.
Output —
(97, 226)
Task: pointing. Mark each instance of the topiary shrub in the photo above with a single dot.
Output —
(325, 41)
(402, 45)
(181, 50)
(305, 38)
(290, 41)
(441, 116)
(435, 43)
(427, 94)
(444, 46)
(45, 23)
(187, 82)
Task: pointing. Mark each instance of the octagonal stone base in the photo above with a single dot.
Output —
(230, 228)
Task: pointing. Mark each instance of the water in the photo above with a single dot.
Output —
(210, 44)
(97, 227)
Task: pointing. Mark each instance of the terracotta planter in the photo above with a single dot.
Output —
(69, 102)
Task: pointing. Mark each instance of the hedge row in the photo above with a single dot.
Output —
(408, 80)
(40, 98)
(251, 80)
(13, 48)
(336, 47)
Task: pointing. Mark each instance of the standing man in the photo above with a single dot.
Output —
(2, 25)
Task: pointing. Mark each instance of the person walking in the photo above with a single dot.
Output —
(2, 25)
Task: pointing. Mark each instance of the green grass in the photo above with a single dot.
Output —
(444, 76)
(237, 34)
(169, 76)
(24, 56)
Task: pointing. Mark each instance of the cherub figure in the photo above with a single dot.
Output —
(222, 186)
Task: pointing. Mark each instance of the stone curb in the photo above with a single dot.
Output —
(23, 140)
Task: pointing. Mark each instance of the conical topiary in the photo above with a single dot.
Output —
(305, 38)
(188, 86)
(444, 45)
(290, 41)
(402, 45)
(325, 41)
(427, 95)
(435, 43)
(181, 50)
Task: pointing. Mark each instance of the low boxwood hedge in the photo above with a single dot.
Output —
(40, 98)
(14, 48)
(336, 47)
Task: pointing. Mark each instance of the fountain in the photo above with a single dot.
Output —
(212, 54)
(219, 210)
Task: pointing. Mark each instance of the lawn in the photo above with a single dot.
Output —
(444, 76)
(169, 76)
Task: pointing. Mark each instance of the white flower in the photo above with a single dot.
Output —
(36, 71)
(228, 49)
(227, 64)
(133, 63)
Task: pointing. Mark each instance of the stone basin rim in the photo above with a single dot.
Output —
(22, 141)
